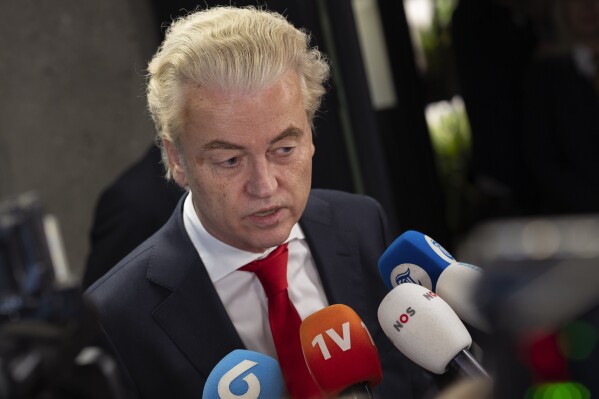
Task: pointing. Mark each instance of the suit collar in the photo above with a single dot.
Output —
(192, 314)
(336, 255)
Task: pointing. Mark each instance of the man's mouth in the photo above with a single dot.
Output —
(266, 213)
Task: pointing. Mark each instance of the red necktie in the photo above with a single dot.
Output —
(284, 323)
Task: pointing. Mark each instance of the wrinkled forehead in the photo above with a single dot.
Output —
(216, 98)
(270, 109)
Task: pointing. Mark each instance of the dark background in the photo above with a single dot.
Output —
(73, 107)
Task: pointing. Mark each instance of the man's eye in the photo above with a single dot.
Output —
(284, 150)
(230, 162)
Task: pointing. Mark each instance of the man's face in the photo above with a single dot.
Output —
(247, 160)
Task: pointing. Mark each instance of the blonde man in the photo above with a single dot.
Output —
(233, 92)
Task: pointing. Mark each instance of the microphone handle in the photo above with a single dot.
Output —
(467, 365)
(357, 391)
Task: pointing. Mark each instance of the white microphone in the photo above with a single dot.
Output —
(427, 331)
(417, 258)
(457, 286)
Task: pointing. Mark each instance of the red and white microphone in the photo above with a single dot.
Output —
(340, 353)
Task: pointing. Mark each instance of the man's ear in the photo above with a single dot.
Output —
(175, 163)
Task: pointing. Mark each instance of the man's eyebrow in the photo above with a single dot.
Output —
(221, 145)
(292, 132)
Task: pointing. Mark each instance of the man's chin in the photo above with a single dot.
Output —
(268, 239)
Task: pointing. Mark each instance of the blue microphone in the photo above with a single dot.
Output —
(244, 374)
(414, 258)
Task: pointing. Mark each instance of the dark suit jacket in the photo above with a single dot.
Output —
(168, 327)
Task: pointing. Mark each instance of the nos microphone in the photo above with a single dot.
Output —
(425, 329)
(340, 353)
(416, 258)
(244, 374)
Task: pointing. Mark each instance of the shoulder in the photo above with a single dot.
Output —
(342, 201)
(126, 278)
(357, 214)
(159, 263)
(344, 208)
(133, 276)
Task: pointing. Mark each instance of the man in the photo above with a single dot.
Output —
(233, 92)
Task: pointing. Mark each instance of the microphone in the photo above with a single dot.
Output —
(340, 353)
(457, 285)
(413, 258)
(244, 374)
(416, 258)
(425, 329)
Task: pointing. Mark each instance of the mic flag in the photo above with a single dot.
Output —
(339, 350)
(414, 258)
(244, 374)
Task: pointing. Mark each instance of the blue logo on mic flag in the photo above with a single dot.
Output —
(244, 374)
(406, 278)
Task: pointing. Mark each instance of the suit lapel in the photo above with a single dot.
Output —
(192, 314)
(336, 255)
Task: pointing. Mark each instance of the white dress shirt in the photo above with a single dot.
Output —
(241, 292)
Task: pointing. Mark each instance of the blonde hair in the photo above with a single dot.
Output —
(229, 48)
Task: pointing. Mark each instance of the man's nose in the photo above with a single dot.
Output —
(262, 182)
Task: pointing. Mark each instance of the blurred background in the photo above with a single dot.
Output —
(473, 121)
(424, 111)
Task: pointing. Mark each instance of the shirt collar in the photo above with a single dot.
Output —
(221, 259)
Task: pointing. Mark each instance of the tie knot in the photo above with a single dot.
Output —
(271, 270)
